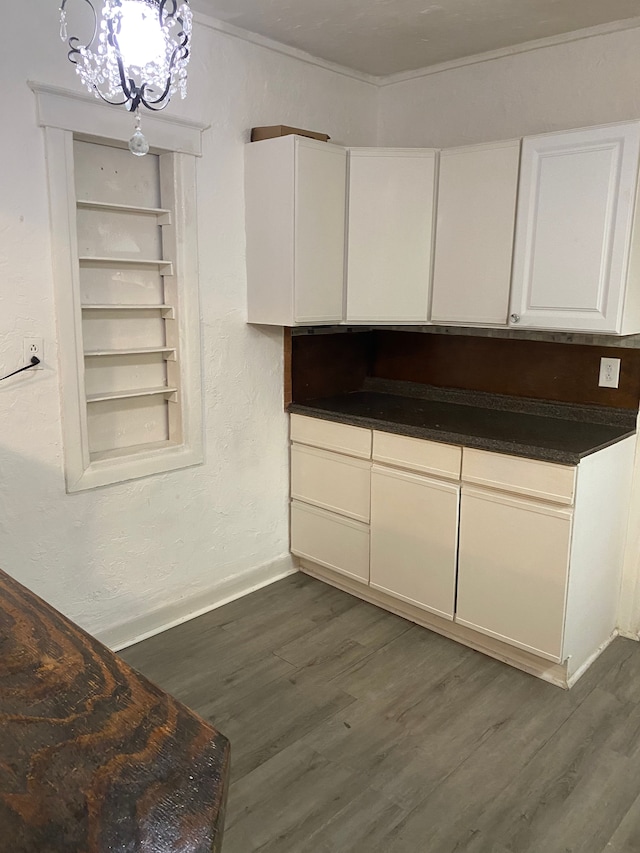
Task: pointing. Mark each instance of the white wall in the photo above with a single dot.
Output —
(591, 81)
(125, 559)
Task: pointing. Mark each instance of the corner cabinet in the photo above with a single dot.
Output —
(577, 248)
(502, 553)
(295, 198)
(390, 234)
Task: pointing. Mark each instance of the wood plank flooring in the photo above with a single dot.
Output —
(354, 731)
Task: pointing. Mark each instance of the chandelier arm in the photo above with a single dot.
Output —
(128, 86)
(107, 101)
(172, 10)
(149, 104)
(75, 49)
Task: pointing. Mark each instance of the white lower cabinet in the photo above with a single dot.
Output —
(513, 570)
(516, 557)
(414, 539)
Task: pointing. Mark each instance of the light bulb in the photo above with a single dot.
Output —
(141, 38)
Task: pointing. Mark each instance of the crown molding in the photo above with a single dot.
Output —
(515, 50)
(279, 47)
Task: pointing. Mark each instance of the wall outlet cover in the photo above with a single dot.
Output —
(609, 373)
(34, 346)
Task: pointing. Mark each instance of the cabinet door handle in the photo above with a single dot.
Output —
(515, 318)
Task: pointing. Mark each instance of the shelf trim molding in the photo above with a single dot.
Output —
(162, 214)
(98, 353)
(87, 260)
(86, 116)
(167, 310)
(130, 395)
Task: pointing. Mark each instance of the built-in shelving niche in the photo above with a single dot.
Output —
(126, 258)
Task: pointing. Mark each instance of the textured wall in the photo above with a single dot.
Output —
(119, 553)
(593, 81)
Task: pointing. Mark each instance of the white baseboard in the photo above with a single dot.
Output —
(628, 635)
(149, 624)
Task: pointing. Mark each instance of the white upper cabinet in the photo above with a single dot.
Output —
(477, 195)
(573, 264)
(295, 194)
(390, 234)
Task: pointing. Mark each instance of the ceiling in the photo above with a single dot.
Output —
(383, 37)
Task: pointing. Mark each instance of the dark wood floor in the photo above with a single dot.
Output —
(354, 731)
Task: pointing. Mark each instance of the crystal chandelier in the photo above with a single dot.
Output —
(137, 56)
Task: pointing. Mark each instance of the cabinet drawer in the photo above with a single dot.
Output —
(544, 480)
(331, 481)
(354, 441)
(331, 540)
(428, 457)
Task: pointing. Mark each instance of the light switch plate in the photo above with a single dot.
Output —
(609, 373)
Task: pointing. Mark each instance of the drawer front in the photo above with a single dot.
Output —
(354, 441)
(543, 480)
(331, 481)
(427, 457)
(330, 540)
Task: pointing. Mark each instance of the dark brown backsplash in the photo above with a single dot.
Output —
(327, 364)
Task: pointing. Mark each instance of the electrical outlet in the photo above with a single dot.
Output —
(34, 346)
(609, 373)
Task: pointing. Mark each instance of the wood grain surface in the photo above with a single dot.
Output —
(93, 756)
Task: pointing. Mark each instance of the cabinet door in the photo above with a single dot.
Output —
(477, 194)
(320, 210)
(414, 537)
(513, 570)
(575, 214)
(295, 208)
(390, 235)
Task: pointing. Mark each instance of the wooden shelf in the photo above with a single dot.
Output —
(142, 263)
(167, 310)
(99, 353)
(163, 215)
(128, 395)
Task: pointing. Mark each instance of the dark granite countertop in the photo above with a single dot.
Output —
(553, 432)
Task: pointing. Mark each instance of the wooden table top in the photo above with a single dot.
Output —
(93, 757)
